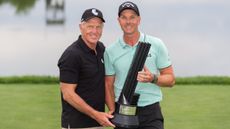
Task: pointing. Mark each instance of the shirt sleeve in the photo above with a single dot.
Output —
(69, 67)
(109, 68)
(163, 59)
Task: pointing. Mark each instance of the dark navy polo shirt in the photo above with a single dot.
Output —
(82, 66)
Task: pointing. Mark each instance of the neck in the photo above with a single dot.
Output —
(131, 39)
(90, 45)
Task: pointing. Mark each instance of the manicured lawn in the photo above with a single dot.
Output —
(37, 106)
(197, 107)
(29, 106)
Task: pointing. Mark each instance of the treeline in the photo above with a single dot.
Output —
(199, 80)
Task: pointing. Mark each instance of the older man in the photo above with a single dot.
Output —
(82, 77)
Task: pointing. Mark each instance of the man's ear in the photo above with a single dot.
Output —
(81, 26)
(139, 20)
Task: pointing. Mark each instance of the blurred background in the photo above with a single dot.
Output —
(34, 33)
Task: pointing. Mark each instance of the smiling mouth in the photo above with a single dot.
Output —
(128, 26)
(94, 37)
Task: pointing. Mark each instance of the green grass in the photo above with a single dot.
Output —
(36, 106)
(30, 106)
(197, 107)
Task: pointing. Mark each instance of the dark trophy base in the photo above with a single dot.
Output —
(125, 116)
(125, 121)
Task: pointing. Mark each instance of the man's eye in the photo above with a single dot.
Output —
(90, 27)
(123, 18)
(99, 27)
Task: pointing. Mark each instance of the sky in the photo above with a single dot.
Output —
(196, 33)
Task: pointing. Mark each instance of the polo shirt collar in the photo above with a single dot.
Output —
(123, 44)
(85, 47)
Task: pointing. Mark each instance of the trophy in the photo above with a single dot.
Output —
(125, 111)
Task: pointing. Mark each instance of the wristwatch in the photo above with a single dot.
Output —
(155, 79)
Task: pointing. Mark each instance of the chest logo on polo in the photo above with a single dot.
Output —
(102, 61)
(149, 55)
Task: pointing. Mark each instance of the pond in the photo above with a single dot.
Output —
(34, 33)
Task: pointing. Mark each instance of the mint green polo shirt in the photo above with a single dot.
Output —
(118, 58)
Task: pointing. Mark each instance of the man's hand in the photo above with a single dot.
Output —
(103, 119)
(111, 112)
(165, 79)
(145, 75)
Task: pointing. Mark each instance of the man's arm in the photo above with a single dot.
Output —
(109, 93)
(69, 95)
(165, 79)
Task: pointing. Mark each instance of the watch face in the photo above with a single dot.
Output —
(155, 78)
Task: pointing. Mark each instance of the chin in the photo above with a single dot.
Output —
(128, 33)
(94, 41)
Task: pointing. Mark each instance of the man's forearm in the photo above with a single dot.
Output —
(166, 80)
(109, 93)
(77, 102)
(110, 99)
(166, 77)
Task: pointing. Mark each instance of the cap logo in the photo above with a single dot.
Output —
(94, 11)
(127, 5)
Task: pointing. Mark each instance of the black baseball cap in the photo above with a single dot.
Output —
(128, 5)
(91, 13)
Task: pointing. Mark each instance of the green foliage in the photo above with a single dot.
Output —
(197, 80)
(207, 80)
(29, 80)
(22, 6)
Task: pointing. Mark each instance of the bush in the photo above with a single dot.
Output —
(29, 80)
(205, 80)
(196, 80)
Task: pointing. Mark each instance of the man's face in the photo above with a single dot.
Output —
(91, 30)
(129, 21)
